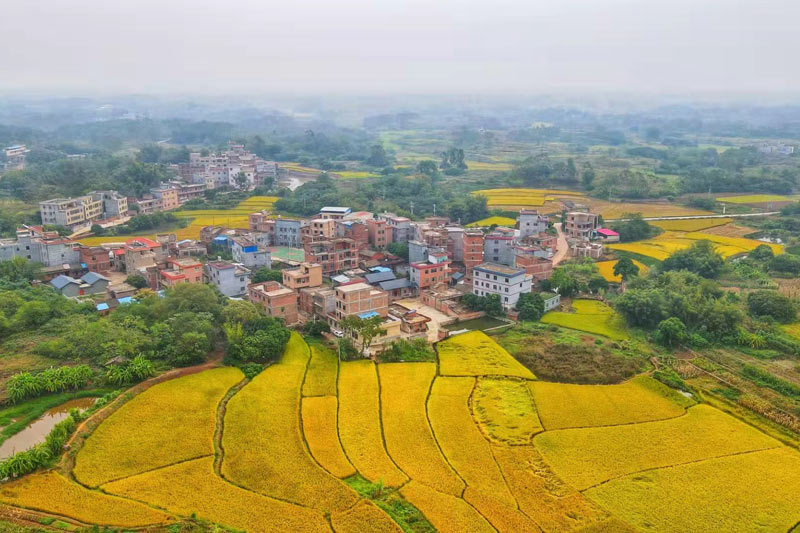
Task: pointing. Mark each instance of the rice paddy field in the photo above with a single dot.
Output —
(606, 269)
(515, 199)
(590, 316)
(231, 218)
(691, 224)
(667, 243)
(474, 443)
(493, 221)
(757, 199)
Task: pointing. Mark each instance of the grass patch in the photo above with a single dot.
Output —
(590, 316)
(408, 517)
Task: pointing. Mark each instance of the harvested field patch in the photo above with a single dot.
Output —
(587, 456)
(461, 441)
(606, 269)
(757, 491)
(541, 495)
(409, 439)
(264, 450)
(169, 422)
(193, 487)
(493, 221)
(360, 424)
(52, 493)
(319, 428)
(363, 517)
(489, 166)
(692, 224)
(505, 411)
(476, 354)
(447, 513)
(591, 316)
(641, 399)
(322, 372)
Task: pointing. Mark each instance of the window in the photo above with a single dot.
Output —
(506, 298)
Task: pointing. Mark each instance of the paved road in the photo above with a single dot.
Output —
(562, 247)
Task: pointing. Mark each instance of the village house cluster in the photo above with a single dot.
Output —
(333, 265)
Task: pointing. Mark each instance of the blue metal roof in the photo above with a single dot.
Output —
(92, 277)
(102, 307)
(126, 300)
(368, 314)
(59, 282)
(380, 269)
(221, 238)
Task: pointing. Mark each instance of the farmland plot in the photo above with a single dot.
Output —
(476, 354)
(590, 316)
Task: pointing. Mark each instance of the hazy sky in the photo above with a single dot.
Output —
(394, 46)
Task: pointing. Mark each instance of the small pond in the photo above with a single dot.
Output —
(40, 428)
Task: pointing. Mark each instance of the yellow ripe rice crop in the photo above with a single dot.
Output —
(297, 167)
(354, 174)
(667, 243)
(756, 199)
(193, 487)
(606, 269)
(319, 428)
(614, 210)
(263, 445)
(691, 224)
(475, 354)
(504, 411)
(496, 221)
(445, 512)
(52, 493)
(365, 516)
(587, 456)
(461, 441)
(541, 495)
(503, 517)
(489, 166)
(169, 422)
(521, 198)
(590, 316)
(792, 329)
(409, 440)
(642, 399)
(360, 424)
(757, 491)
(322, 370)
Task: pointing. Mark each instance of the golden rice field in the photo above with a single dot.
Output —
(514, 199)
(590, 316)
(297, 167)
(670, 242)
(606, 269)
(493, 221)
(475, 354)
(354, 174)
(690, 224)
(474, 442)
(232, 218)
(614, 210)
(756, 198)
(489, 166)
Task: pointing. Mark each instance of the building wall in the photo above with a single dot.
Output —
(380, 235)
(307, 275)
(499, 250)
(509, 287)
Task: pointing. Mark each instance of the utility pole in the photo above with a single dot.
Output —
(412, 208)
(434, 209)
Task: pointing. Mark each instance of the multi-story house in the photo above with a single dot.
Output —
(335, 255)
(360, 299)
(472, 246)
(455, 243)
(15, 157)
(538, 266)
(307, 275)
(432, 273)
(141, 253)
(96, 258)
(581, 225)
(380, 234)
(353, 229)
(246, 252)
(508, 282)
(531, 222)
(231, 280)
(71, 212)
(498, 247)
(39, 246)
(181, 271)
(287, 232)
(114, 204)
(334, 213)
(400, 226)
(278, 301)
(166, 197)
(319, 227)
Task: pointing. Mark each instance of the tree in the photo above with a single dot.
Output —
(671, 332)
(588, 175)
(494, 306)
(784, 263)
(772, 304)
(241, 181)
(316, 328)
(700, 258)
(626, 268)
(762, 252)
(364, 329)
(453, 161)
(597, 284)
(377, 156)
(19, 269)
(633, 228)
(399, 249)
(429, 169)
(267, 274)
(137, 281)
(239, 311)
(530, 306)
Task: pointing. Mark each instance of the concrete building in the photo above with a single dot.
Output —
(355, 230)
(231, 280)
(334, 213)
(278, 301)
(15, 157)
(335, 255)
(400, 226)
(39, 246)
(581, 225)
(585, 248)
(319, 227)
(432, 273)
(71, 212)
(318, 302)
(360, 299)
(538, 267)
(67, 286)
(246, 252)
(307, 275)
(508, 282)
(94, 283)
(499, 248)
(181, 271)
(455, 243)
(607, 235)
(114, 204)
(417, 252)
(141, 252)
(166, 197)
(551, 300)
(287, 233)
(530, 222)
(380, 234)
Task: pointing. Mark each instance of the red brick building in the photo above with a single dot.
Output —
(335, 255)
(96, 258)
(379, 234)
(473, 252)
(278, 301)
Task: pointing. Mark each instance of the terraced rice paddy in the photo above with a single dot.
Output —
(590, 316)
(236, 217)
(606, 269)
(475, 443)
(668, 243)
(690, 224)
(515, 199)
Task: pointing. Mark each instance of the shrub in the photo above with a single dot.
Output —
(27, 385)
(772, 304)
